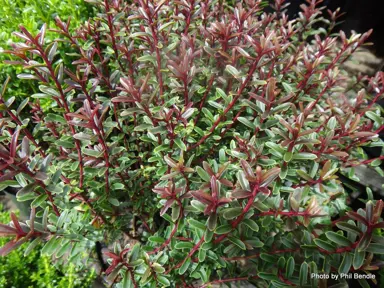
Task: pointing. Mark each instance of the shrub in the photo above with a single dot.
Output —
(33, 270)
(232, 124)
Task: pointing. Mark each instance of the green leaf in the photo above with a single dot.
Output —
(139, 34)
(93, 153)
(161, 148)
(208, 114)
(304, 175)
(330, 173)
(65, 144)
(118, 186)
(26, 77)
(374, 117)
(180, 144)
(223, 229)
(184, 245)
(303, 276)
(251, 224)
(242, 51)
(314, 270)
(278, 284)
(157, 267)
(220, 93)
(375, 163)
(32, 246)
(185, 266)
(288, 88)
(162, 27)
(349, 227)
(175, 212)
(358, 259)
(142, 127)
(290, 267)
(39, 200)
(332, 123)
(232, 70)
(283, 172)
(231, 213)
(26, 193)
(216, 105)
(156, 239)
(201, 255)
(147, 58)
(275, 147)
(246, 122)
(64, 249)
(237, 242)
(281, 263)
(135, 263)
(203, 174)
(212, 221)
(197, 224)
(364, 241)
(163, 280)
(288, 156)
(314, 169)
(260, 206)
(40, 96)
(244, 183)
(324, 245)
(203, 274)
(346, 263)
(135, 252)
(145, 276)
(49, 91)
(304, 156)
(237, 154)
(62, 219)
(22, 105)
(83, 136)
(267, 276)
(375, 248)
(338, 239)
(113, 201)
(127, 281)
(255, 243)
(50, 247)
(281, 107)
(208, 235)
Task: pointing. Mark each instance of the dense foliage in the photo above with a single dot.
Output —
(34, 270)
(195, 136)
(32, 14)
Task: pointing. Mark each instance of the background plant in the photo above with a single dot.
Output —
(194, 136)
(32, 15)
(18, 270)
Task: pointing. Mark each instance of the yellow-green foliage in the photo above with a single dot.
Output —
(35, 270)
(33, 14)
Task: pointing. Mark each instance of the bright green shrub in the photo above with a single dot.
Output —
(32, 14)
(191, 137)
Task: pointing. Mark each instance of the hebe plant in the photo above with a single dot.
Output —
(230, 123)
